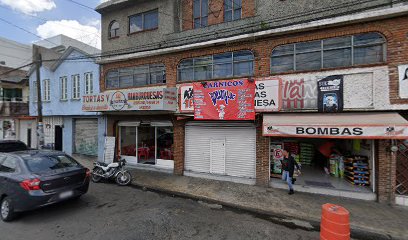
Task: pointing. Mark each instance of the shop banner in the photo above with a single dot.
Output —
(131, 100)
(224, 100)
(267, 95)
(349, 132)
(403, 81)
(330, 94)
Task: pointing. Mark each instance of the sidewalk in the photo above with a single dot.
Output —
(369, 220)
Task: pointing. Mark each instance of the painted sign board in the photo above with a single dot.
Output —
(224, 100)
(347, 132)
(131, 100)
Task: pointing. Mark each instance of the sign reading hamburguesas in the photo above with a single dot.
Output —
(131, 99)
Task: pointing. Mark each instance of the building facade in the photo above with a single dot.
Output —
(64, 80)
(327, 82)
(15, 122)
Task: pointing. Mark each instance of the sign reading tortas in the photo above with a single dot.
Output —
(131, 100)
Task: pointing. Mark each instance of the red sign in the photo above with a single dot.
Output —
(224, 100)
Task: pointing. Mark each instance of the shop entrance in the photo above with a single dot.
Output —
(149, 144)
(341, 167)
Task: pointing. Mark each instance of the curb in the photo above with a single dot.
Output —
(356, 231)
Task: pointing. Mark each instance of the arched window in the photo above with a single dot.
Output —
(347, 51)
(136, 76)
(113, 29)
(224, 65)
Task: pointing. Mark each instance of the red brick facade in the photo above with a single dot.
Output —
(394, 30)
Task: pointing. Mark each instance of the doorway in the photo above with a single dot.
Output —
(58, 138)
(29, 137)
(217, 156)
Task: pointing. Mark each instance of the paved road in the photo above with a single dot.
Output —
(112, 212)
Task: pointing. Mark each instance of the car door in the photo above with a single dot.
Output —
(8, 168)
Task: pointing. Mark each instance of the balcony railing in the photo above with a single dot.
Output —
(13, 108)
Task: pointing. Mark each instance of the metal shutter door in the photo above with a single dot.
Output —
(240, 147)
(86, 136)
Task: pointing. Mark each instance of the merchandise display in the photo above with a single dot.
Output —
(357, 170)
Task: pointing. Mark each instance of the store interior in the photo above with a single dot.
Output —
(152, 143)
(336, 164)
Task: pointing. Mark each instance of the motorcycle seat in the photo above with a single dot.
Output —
(102, 164)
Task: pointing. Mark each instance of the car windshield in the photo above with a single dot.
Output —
(48, 163)
(12, 147)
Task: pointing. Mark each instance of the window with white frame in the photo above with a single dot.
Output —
(76, 91)
(232, 10)
(88, 83)
(46, 89)
(64, 88)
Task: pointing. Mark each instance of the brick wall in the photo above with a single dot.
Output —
(187, 14)
(179, 136)
(386, 172)
(262, 155)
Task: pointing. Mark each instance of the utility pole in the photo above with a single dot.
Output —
(40, 125)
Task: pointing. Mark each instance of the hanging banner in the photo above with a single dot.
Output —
(330, 94)
(224, 100)
(267, 95)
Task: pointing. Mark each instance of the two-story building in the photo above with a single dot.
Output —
(15, 122)
(327, 81)
(68, 73)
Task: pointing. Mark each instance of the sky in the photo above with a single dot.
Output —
(47, 18)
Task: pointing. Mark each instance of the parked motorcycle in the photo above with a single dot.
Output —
(113, 170)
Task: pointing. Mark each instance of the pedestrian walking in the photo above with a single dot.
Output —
(288, 168)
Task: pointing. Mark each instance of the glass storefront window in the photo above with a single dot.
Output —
(165, 143)
(146, 144)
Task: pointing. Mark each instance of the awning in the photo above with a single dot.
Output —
(336, 125)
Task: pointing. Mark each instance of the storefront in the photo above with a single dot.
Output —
(221, 150)
(141, 121)
(337, 152)
(147, 142)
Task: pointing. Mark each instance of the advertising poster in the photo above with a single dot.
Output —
(330, 94)
(224, 100)
(186, 98)
(403, 81)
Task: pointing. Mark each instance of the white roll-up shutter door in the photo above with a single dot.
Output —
(86, 136)
(240, 147)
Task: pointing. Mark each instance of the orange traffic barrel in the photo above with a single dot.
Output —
(335, 223)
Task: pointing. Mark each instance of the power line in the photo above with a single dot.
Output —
(25, 30)
(82, 5)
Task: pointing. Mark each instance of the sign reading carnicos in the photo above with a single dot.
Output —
(131, 99)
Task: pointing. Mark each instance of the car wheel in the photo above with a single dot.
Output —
(7, 210)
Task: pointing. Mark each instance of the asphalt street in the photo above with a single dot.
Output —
(124, 213)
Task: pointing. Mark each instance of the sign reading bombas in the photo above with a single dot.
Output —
(224, 100)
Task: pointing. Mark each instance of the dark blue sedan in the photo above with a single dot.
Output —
(36, 178)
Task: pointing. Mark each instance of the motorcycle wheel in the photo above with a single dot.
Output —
(124, 178)
(96, 178)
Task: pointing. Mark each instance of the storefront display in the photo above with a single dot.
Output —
(326, 163)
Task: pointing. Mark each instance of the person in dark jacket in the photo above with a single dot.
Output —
(288, 168)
